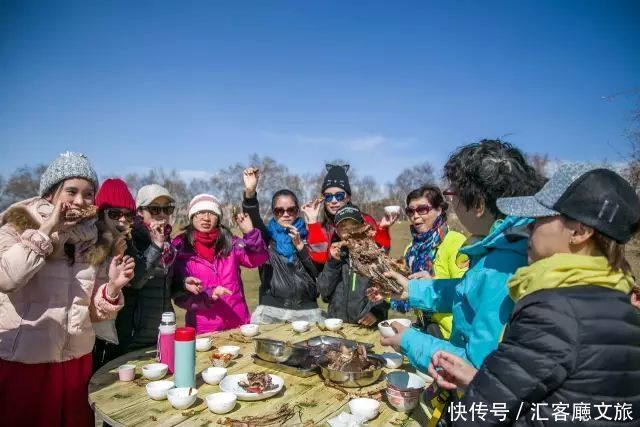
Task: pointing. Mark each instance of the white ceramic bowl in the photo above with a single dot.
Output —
(333, 324)
(387, 331)
(221, 403)
(392, 210)
(300, 326)
(364, 407)
(157, 390)
(204, 344)
(427, 378)
(154, 371)
(127, 372)
(213, 375)
(250, 330)
(233, 350)
(180, 398)
(393, 360)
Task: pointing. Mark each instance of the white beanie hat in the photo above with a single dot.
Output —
(204, 202)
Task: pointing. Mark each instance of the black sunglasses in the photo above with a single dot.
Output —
(116, 214)
(339, 196)
(420, 209)
(155, 210)
(293, 210)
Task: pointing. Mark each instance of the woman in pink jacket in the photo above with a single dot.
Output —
(51, 290)
(208, 266)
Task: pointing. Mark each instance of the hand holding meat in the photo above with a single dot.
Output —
(369, 260)
(157, 232)
(295, 237)
(56, 220)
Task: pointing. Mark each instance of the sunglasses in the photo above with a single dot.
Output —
(116, 214)
(420, 210)
(281, 211)
(155, 210)
(449, 193)
(338, 196)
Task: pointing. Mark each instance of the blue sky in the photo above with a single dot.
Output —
(198, 85)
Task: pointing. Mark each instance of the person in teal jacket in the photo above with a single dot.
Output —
(479, 301)
(478, 174)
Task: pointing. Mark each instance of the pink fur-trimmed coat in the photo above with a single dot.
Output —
(47, 305)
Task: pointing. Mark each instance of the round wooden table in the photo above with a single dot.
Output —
(127, 404)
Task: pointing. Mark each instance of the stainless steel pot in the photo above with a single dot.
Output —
(353, 379)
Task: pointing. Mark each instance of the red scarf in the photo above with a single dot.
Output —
(204, 243)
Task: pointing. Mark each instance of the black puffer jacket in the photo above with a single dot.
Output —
(282, 284)
(147, 297)
(345, 291)
(568, 345)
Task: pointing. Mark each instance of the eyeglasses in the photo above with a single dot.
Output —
(339, 196)
(293, 210)
(116, 214)
(449, 195)
(155, 210)
(202, 214)
(420, 210)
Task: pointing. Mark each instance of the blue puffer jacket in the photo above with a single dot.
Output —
(479, 301)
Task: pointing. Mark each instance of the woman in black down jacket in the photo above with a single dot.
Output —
(570, 354)
(288, 280)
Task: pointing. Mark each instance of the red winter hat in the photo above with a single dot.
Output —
(114, 193)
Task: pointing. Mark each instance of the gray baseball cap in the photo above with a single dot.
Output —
(149, 193)
(595, 196)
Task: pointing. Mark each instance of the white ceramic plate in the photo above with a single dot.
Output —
(230, 384)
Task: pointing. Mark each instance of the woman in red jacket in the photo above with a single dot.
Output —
(336, 193)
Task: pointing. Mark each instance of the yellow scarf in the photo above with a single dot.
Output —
(567, 270)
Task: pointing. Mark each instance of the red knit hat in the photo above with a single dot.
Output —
(114, 193)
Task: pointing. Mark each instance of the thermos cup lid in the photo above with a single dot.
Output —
(168, 317)
(185, 334)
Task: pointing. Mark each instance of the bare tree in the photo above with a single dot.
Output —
(410, 179)
(539, 162)
(22, 184)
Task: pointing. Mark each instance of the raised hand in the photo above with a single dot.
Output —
(311, 210)
(388, 220)
(121, 272)
(251, 176)
(244, 223)
(450, 371)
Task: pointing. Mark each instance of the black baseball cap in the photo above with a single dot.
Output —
(595, 196)
(348, 212)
